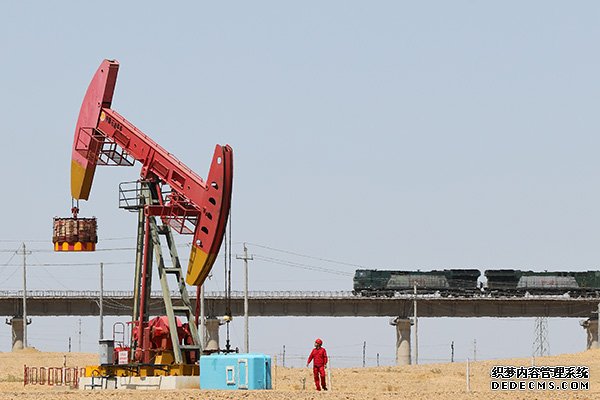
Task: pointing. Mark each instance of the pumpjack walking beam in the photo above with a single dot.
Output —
(104, 137)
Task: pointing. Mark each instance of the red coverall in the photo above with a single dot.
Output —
(319, 355)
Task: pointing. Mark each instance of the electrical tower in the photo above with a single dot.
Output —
(540, 341)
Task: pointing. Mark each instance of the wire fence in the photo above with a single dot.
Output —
(52, 376)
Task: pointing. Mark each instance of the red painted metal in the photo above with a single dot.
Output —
(209, 203)
(157, 338)
(161, 339)
(85, 150)
(193, 206)
(141, 319)
(205, 203)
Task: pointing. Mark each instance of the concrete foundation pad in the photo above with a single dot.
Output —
(140, 383)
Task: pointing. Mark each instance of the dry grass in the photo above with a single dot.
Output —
(431, 381)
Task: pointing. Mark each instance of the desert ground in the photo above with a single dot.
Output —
(428, 381)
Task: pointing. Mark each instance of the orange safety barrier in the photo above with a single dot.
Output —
(52, 376)
(68, 375)
(34, 376)
(43, 376)
(59, 375)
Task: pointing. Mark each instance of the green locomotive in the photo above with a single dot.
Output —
(368, 282)
(516, 282)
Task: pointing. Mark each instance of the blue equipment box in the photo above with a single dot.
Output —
(235, 371)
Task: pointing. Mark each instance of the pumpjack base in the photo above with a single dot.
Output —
(139, 383)
(142, 370)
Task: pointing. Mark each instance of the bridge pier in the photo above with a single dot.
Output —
(17, 331)
(591, 327)
(403, 344)
(212, 335)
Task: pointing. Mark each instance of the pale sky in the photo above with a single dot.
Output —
(391, 135)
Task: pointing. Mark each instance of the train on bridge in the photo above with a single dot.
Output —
(470, 282)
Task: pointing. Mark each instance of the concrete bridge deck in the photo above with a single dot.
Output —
(307, 304)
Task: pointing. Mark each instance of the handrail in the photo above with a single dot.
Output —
(264, 294)
(175, 294)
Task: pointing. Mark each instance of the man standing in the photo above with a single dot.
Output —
(319, 358)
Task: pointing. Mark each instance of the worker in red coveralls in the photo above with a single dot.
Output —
(319, 358)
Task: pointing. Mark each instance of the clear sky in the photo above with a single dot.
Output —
(390, 134)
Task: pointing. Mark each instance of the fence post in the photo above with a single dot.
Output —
(68, 376)
(468, 377)
(274, 364)
(76, 377)
(329, 372)
(34, 375)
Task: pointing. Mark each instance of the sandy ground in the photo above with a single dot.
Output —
(431, 381)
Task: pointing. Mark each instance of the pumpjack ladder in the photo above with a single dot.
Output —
(149, 240)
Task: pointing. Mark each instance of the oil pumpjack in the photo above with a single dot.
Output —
(168, 197)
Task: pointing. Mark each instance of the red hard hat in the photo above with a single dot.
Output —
(318, 341)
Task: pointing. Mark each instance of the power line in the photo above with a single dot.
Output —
(272, 260)
(11, 257)
(97, 250)
(10, 276)
(21, 241)
(294, 264)
(46, 240)
(311, 257)
(49, 274)
(72, 264)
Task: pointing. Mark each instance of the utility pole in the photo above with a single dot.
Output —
(246, 258)
(101, 301)
(202, 318)
(25, 252)
(283, 357)
(69, 344)
(452, 352)
(80, 335)
(416, 325)
(474, 349)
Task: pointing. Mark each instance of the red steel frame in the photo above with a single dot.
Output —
(208, 203)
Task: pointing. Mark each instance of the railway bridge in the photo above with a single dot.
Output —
(399, 308)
